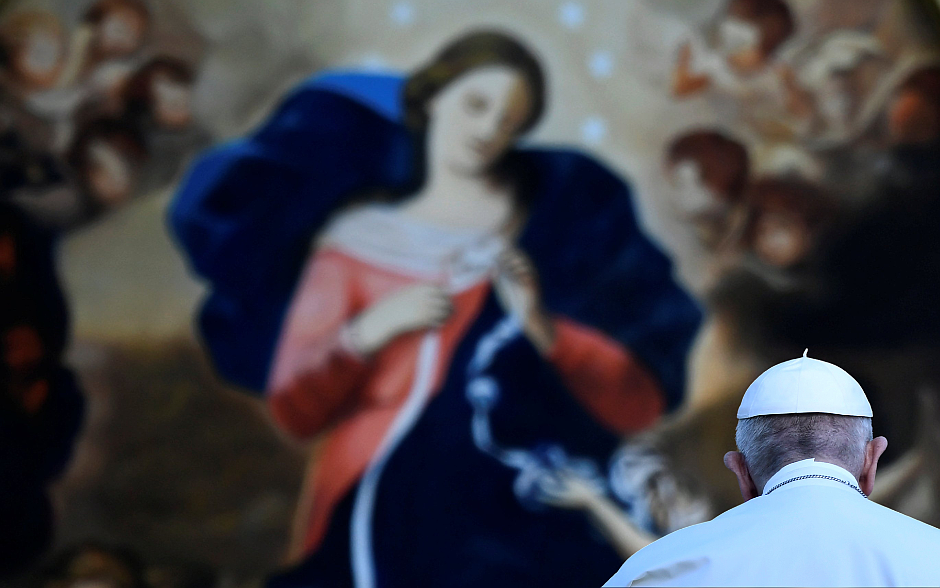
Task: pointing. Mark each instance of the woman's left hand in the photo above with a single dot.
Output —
(566, 489)
(517, 288)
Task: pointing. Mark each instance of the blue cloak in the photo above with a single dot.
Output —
(246, 215)
(247, 211)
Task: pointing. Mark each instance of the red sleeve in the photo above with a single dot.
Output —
(315, 376)
(606, 378)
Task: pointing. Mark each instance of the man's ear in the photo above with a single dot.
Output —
(873, 451)
(734, 461)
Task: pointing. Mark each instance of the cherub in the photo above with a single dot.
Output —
(160, 94)
(32, 50)
(709, 172)
(787, 219)
(739, 61)
(106, 157)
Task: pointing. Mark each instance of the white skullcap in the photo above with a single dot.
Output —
(804, 385)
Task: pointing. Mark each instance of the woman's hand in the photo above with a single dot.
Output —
(566, 489)
(422, 306)
(517, 288)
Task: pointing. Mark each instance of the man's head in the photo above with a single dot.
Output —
(801, 409)
(767, 443)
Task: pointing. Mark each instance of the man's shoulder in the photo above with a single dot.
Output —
(894, 523)
(711, 531)
(797, 524)
(703, 539)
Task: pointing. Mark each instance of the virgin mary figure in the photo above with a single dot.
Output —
(363, 246)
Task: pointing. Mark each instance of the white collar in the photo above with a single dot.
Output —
(381, 235)
(808, 467)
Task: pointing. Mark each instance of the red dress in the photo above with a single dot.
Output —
(319, 384)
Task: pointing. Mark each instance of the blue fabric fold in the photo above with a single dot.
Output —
(247, 211)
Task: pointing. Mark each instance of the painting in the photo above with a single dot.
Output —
(432, 292)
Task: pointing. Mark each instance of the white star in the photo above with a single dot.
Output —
(593, 130)
(571, 14)
(601, 64)
(402, 13)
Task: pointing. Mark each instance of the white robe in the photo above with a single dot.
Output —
(809, 532)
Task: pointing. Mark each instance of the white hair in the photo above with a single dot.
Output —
(770, 442)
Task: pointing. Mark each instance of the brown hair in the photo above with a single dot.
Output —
(723, 162)
(469, 52)
(772, 17)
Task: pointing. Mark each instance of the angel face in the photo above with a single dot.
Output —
(43, 52)
(782, 238)
(110, 173)
(712, 218)
(694, 197)
(40, 58)
(739, 41)
(172, 101)
(121, 32)
(736, 35)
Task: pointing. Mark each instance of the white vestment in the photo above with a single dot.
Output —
(806, 532)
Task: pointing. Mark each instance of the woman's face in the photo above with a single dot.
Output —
(475, 118)
(121, 32)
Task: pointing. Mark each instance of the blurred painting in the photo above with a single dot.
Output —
(463, 316)
(438, 292)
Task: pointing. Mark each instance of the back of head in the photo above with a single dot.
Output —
(801, 409)
(769, 442)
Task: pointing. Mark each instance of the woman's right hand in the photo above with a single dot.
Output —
(421, 306)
